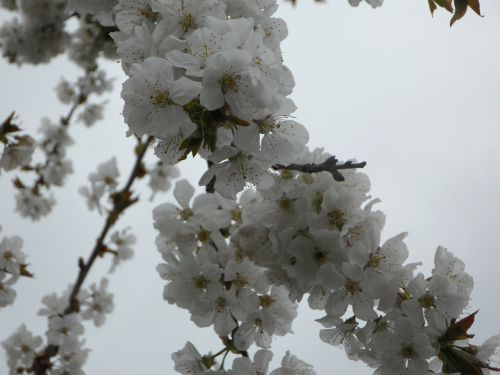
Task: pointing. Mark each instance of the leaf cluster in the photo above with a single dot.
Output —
(459, 358)
(457, 7)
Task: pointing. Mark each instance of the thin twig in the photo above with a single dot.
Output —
(121, 201)
(329, 165)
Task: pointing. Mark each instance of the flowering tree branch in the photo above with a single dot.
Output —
(121, 201)
(31, 202)
(213, 83)
(329, 165)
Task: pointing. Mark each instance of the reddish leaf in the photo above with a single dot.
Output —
(458, 330)
(460, 10)
(474, 5)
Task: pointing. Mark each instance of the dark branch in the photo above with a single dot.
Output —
(329, 165)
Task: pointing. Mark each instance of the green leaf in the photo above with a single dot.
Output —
(192, 143)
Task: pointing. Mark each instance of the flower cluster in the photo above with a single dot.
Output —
(17, 149)
(65, 347)
(12, 267)
(242, 268)
(208, 77)
(121, 242)
(104, 180)
(160, 177)
(31, 201)
(39, 33)
(189, 361)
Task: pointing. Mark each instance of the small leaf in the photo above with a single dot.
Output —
(456, 360)
(432, 6)
(474, 5)
(460, 10)
(23, 270)
(446, 4)
(8, 127)
(458, 330)
(18, 184)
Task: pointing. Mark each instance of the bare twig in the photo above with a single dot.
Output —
(329, 165)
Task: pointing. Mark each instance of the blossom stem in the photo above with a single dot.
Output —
(329, 165)
(121, 201)
(223, 360)
(223, 350)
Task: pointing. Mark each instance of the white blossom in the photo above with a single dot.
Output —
(98, 303)
(21, 348)
(32, 205)
(18, 153)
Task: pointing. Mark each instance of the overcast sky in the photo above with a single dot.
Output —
(418, 101)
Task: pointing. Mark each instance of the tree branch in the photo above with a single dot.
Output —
(121, 201)
(329, 165)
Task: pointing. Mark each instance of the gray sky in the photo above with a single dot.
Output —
(394, 87)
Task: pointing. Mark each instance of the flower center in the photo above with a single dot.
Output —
(204, 236)
(160, 99)
(221, 303)
(266, 301)
(240, 281)
(427, 301)
(188, 23)
(185, 214)
(407, 351)
(320, 257)
(200, 282)
(229, 82)
(337, 218)
(286, 204)
(352, 286)
(317, 201)
(375, 260)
